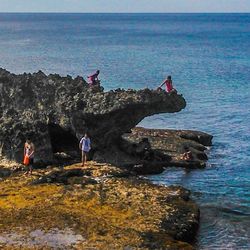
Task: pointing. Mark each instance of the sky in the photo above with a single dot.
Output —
(164, 6)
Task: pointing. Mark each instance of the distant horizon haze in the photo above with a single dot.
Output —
(126, 6)
(75, 12)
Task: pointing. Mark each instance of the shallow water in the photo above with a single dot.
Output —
(209, 59)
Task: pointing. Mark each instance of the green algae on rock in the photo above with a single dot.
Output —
(114, 212)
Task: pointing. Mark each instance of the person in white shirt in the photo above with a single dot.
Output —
(85, 147)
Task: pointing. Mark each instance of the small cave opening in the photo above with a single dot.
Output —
(64, 143)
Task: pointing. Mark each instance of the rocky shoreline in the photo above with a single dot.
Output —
(105, 205)
(109, 207)
(166, 147)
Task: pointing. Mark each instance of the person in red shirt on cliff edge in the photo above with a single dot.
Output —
(169, 85)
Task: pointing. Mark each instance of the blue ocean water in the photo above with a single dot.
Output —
(208, 56)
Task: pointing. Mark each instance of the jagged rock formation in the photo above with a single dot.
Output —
(56, 111)
(169, 146)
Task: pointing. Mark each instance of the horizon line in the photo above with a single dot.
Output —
(61, 12)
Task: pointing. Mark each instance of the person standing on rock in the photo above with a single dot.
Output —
(29, 153)
(94, 78)
(169, 85)
(85, 146)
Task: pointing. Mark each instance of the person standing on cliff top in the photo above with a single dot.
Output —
(85, 147)
(29, 153)
(169, 85)
(94, 78)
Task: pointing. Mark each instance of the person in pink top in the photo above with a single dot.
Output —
(94, 78)
(169, 85)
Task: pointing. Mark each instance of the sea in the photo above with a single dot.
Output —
(208, 57)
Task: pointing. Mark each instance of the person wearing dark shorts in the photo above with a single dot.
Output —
(85, 147)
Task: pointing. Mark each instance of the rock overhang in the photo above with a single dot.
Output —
(31, 102)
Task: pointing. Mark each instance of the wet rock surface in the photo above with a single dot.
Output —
(4, 172)
(56, 111)
(109, 212)
(165, 148)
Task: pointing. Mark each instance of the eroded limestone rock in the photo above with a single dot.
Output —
(167, 147)
(56, 111)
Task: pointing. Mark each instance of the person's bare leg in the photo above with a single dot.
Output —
(83, 158)
(27, 170)
(31, 169)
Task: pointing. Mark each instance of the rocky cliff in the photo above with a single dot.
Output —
(56, 111)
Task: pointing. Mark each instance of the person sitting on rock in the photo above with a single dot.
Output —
(29, 152)
(169, 85)
(143, 149)
(94, 78)
(187, 156)
(85, 146)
